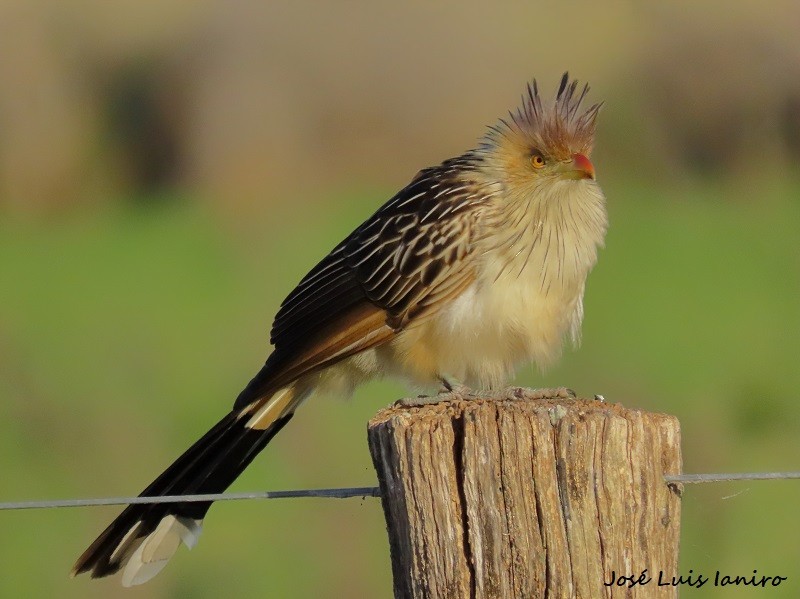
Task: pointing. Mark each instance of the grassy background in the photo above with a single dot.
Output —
(165, 179)
(125, 332)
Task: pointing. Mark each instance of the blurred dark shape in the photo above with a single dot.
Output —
(791, 119)
(142, 129)
(86, 103)
(722, 100)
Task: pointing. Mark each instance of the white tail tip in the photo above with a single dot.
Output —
(155, 550)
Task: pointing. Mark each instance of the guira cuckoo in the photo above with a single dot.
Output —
(477, 265)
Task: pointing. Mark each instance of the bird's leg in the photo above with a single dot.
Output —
(451, 386)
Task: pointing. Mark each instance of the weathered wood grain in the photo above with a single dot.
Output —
(514, 497)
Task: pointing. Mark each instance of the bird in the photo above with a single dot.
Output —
(477, 266)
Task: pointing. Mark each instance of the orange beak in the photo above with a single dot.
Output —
(582, 166)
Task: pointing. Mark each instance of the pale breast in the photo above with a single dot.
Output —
(485, 333)
(526, 299)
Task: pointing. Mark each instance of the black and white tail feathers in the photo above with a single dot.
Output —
(144, 536)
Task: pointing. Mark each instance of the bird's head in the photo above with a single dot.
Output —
(542, 144)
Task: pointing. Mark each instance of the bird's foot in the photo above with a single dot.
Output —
(458, 392)
(539, 394)
(448, 393)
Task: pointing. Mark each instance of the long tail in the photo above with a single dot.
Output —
(144, 536)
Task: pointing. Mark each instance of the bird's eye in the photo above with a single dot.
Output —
(537, 160)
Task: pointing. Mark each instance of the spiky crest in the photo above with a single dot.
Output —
(557, 130)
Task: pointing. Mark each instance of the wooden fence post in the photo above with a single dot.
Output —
(528, 498)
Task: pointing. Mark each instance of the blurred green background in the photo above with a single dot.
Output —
(169, 170)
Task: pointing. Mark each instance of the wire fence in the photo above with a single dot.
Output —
(93, 501)
(342, 493)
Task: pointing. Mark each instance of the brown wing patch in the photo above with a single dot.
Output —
(362, 327)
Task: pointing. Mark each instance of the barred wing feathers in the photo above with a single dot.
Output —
(399, 266)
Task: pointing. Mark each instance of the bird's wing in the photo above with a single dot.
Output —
(398, 267)
(415, 253)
